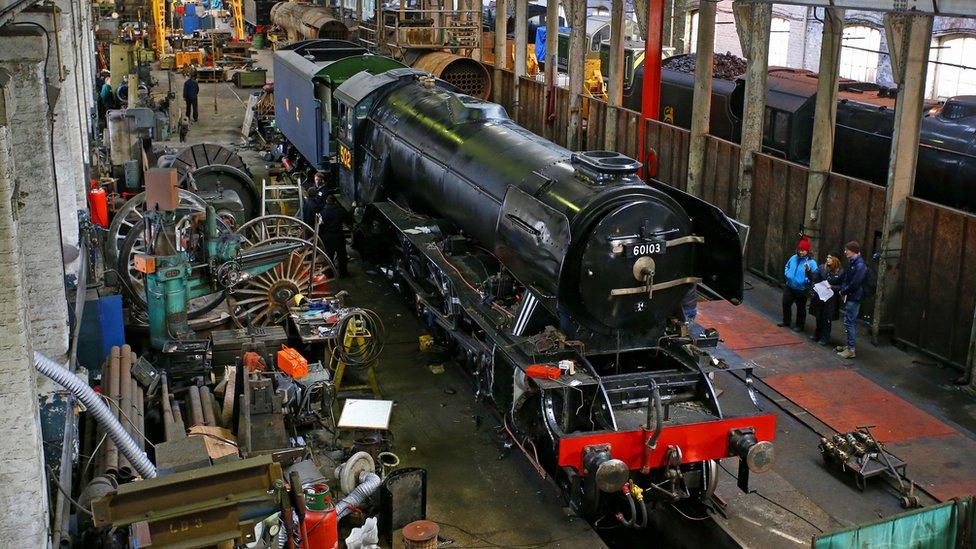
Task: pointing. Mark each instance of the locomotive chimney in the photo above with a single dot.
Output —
(605, 168)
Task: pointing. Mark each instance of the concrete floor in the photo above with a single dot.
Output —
(486, 495)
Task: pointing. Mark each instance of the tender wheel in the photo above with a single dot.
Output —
(265, 299)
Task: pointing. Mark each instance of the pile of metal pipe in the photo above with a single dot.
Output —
(173, 426)
(126, 401)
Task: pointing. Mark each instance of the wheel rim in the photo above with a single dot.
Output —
(133, 281)
(274, 226)
(265, 299)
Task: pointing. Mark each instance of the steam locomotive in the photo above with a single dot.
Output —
(557, 278)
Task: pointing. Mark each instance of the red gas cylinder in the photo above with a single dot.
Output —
(98, 205)
(321, 523)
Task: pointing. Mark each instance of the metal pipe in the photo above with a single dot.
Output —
(179, 429)
(226, 415)
(111, 450)
(135, 427)
(207, 403)
(195, 408)
(168, 424)
(99, 411)
(141, 417)
(125, 395)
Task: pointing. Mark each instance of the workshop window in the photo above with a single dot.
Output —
(859, 53)
(951, 68)
(779, 42)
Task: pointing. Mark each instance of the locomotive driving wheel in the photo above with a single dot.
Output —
(274, 226)
(265, 299)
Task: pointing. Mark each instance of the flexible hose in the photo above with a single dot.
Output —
(369, 482)
(98, 410)
(658, 414)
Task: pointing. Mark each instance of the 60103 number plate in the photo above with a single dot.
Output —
(646, 248)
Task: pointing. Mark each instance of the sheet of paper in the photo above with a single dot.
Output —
(823, 290)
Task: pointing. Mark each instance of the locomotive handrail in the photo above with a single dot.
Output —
(656, 287)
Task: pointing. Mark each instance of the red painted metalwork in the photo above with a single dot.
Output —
(653, 46)
(697, 441)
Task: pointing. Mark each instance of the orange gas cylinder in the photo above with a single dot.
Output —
(292, 362)
(98, 205)
(321, 523)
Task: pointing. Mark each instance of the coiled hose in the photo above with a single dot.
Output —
(369, 482)
(98, 410)
(364, 354)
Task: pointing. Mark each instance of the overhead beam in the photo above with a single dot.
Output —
(753, 25)
(701, 106)
(952, 8)
(909, 36)
(615, 86)
(577, 57)
(824, 120)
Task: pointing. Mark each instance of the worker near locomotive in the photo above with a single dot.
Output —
(322, 211)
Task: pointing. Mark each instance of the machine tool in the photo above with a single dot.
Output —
(186, 257)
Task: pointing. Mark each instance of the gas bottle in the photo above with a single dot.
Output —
(321, 522)
(98, 205)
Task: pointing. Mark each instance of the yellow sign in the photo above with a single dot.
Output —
(345, 157)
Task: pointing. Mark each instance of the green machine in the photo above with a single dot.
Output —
(187, 257)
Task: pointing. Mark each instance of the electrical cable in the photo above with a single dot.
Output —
(774, 502)
(65, 493)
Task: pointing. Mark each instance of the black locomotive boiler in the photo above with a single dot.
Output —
(530, 260)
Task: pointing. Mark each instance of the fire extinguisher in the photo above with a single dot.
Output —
(98, 205)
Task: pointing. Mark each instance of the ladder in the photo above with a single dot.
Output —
(272, 194)
(238, 19)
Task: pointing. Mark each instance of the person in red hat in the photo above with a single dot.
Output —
(797, 285)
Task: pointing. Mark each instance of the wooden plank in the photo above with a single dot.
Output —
(756, 249)
(916, 253)
(966, 293)
(940, 300)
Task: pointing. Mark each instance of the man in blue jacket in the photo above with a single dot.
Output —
(852, 289)
(191, 90)
(797, 284)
